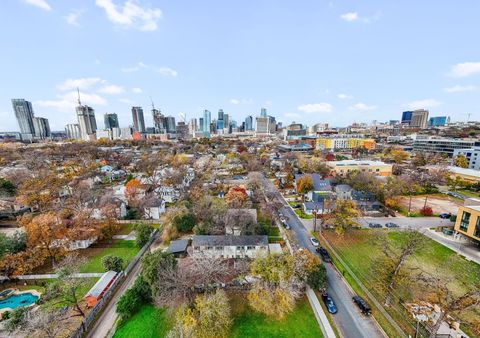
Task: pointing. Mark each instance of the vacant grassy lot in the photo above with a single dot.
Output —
(438, 202)
(124, 249)
(359, 251)
(300, 323)
(149, 322)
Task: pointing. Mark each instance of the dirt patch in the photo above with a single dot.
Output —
(439, 204)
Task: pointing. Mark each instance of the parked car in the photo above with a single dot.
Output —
(314, 241)
(362, 304)
(391, 225)
(280, 214)
(329, 303)
(445, 215)
(324, 254)
(283, 220)
(447, 232)
(455, 194)
(286, 226)
(374, 225)
(296, 206)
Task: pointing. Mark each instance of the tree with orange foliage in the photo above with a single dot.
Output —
(45, 232)
(304, 184)
(134, 191)
(236, 197)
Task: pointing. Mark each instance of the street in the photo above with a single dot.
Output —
(349, 320)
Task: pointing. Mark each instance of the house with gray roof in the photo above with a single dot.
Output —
(320, 187)
(229, 246)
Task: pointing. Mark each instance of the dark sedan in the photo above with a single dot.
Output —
(329, 303)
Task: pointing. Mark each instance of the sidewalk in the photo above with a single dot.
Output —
(463, 248)
(322, 319)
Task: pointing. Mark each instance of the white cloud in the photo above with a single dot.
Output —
(360, 106)
(82, 83)
(125, 100)
(131, 14)
(112, 90)
(67, 102)
(72, 18)
(350, 16)
(39, 3)
(167, 71)
(137, 90)
(459, 88)
(344, 96)
(464, 69)
(421, 104)
(354, 16)
(316, 107)
(234, 101)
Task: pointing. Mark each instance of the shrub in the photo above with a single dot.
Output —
(112, 263)
(142, 233)
(426, 211)
(184, 223)
(317, 277)
(130, 302)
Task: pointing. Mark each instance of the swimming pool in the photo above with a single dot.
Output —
(17, 300)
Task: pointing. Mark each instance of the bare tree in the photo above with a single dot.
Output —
(436, 290)
(394, 258)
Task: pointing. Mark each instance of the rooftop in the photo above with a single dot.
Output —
(228, 240)
(356, 162)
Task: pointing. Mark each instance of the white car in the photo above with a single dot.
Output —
(314, 241)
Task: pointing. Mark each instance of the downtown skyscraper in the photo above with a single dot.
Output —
(110, 120)
(24, 114)
(138, 119)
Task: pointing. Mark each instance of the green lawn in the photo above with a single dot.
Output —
(122, 248)
(148, 322)
(360, 253)
(300, 323)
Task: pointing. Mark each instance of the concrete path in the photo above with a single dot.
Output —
(322, 319)
(463, 248)
(129, 237)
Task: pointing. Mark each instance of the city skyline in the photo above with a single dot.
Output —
(346, 62)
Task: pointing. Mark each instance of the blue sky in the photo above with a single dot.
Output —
(306, 61)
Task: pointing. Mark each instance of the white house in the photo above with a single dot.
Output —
(229, 246)
(154, 207)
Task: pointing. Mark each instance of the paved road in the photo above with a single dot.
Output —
(349, 320)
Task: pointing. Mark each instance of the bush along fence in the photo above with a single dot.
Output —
(97, 308)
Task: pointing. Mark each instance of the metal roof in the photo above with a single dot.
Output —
(229, 240)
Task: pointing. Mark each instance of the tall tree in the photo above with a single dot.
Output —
(345, 216)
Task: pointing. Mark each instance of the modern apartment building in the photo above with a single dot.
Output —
(345, 167)
(419, 119)
(472, 155)
(438, 121)
(334, 143)
(445, 146)
(468, 221)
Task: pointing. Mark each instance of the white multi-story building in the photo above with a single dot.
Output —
(472, 155)
(443, 145)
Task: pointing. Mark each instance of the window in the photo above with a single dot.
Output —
(465, 220)
(218, 248)
(476, 233)
(239, 247)
(250, 247)
(209, 247)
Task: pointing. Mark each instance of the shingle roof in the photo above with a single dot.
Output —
(179, 245)
(228, 240)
